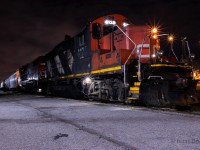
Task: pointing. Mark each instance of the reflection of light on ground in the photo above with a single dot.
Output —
(78, 104)
(39, 96)
(118, 108)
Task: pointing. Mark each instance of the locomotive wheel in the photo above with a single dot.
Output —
(153, 93)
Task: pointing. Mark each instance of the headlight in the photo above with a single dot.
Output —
(110, 22)
(87, 80)
(39, 90)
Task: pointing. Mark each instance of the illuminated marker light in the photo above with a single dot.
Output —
(110, 22)
(154, 30)
(155, 36)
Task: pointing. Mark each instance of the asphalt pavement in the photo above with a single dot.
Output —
(33, 122)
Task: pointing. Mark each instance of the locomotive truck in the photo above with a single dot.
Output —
(111, 59)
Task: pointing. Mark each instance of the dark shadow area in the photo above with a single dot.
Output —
(5, 93)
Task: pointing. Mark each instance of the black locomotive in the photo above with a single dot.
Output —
(112, 60)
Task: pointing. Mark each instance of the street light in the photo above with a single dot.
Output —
(155, 36)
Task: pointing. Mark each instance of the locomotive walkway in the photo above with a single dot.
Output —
(31, 122)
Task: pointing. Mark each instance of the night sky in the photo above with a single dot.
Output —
(30, 28)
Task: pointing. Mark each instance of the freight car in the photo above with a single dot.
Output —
(114, 60)
(12, 82)
(28, 78)
(32, 75)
